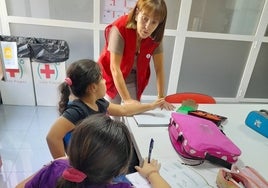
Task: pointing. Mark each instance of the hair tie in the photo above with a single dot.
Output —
(68, 81)
(73, 175)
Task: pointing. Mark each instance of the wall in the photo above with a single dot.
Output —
(211, 46)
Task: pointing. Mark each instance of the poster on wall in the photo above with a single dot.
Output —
(115, 8)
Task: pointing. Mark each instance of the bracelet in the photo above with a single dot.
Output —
(150, 173)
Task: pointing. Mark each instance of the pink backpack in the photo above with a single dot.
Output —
(200, 139)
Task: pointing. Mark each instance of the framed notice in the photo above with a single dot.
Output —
(115, 8)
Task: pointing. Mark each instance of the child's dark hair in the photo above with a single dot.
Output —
(101, 148)
(80, 74)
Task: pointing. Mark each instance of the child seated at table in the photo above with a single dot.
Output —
(85, 82)
(100, 150)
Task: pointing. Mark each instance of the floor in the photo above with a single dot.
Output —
(23, 147)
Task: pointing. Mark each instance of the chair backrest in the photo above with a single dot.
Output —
(199, 98)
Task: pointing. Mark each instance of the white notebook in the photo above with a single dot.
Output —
(153, 118)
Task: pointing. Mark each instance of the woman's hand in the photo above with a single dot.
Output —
(158, 103)
(167, 106)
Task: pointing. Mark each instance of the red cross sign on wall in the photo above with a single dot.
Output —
(47, 71)
(12, 72)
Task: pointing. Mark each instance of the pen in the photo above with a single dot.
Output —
(150, 149)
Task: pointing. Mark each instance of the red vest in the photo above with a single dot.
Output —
(143, 67)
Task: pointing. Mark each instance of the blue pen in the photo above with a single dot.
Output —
(150, 150)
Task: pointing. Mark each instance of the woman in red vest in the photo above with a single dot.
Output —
(131, 41)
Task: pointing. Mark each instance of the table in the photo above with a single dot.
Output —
(254, 146)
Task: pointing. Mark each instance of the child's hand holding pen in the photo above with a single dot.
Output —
(147, 169)
(150, 170)
(149, 166)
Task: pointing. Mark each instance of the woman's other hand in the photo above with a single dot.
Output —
(167, 106)
(158, 103)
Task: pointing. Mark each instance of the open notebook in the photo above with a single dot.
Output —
(153, 118)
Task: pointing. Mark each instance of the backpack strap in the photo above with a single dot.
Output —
(218, 161)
